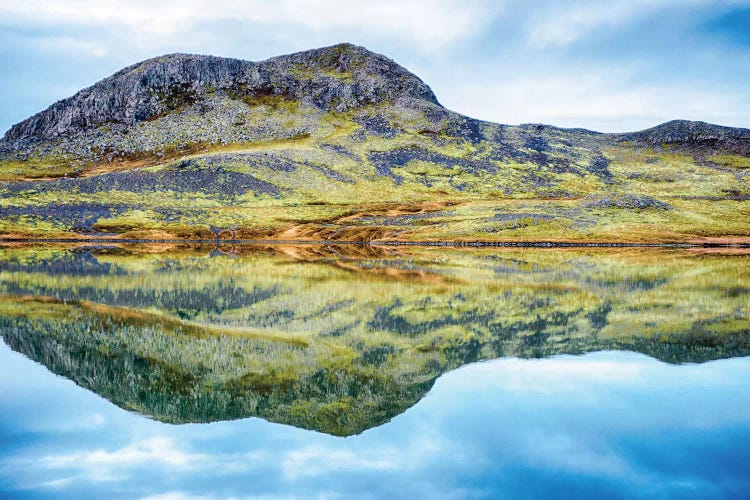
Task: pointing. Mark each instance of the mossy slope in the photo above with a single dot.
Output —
(333, 144)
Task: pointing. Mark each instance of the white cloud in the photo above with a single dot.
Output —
(176, 495)
(568, 453)
(565, 376)
(101, 465)
(561, 23)
(57, 483)
(318, 460)
(434, 23)
(69, 44)
(180, 495)
(590, 100)
(81, 423)
(156, 451)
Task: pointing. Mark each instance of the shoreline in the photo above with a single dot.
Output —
(427, 243)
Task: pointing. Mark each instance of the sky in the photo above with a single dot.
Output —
(620, 65)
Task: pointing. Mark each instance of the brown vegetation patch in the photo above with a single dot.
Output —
(390, 210)
(344, 228)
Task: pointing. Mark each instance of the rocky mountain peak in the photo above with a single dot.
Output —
(694, 135)
(339, 77)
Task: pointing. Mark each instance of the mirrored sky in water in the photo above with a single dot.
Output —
(613, 424)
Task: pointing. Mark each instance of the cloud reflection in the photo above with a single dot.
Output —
(158, 450)
(596, 425)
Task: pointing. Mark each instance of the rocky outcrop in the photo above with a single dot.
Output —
(338, 78)
(694, 134)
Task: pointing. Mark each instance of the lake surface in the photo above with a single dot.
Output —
(354, 371)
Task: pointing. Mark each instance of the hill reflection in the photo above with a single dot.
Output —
(340, 339)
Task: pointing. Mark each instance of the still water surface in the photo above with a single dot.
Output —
(369, 372)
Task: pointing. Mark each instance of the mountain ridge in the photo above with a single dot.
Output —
(343, 143)
(143, 90)
(227, 72)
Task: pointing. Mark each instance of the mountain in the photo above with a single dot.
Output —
(333, 79)
(341, 143)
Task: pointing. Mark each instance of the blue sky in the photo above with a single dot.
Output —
(612, 66)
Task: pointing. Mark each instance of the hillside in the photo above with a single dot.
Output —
(341, 143)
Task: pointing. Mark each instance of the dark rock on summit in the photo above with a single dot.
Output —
(693, 133)
(338, 78)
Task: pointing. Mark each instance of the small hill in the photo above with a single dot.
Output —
(335, 78)
(694, 134)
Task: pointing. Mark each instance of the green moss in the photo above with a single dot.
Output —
(38, 168)
(131, 220)
(307, 72)
(734, 161)
(324, 173)
(272, 101)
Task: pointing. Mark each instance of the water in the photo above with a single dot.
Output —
(370, 372)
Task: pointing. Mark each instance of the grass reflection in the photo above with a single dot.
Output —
(343, 338)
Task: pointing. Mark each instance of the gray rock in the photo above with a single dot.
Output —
(626, 201)
(696, 135)
(338, 78)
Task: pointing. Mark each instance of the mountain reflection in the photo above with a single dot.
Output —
(341, 339)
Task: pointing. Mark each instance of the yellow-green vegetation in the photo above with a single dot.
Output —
(260, 164)
(735, 161)
(343, 338)
(38, 168)
(296, 181)
(305, 72)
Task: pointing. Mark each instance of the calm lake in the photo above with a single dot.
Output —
(250, 371)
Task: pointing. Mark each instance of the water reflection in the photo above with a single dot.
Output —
(343, 339)
(608, 424)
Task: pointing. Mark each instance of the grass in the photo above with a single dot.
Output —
(37, 168)
(734, 161)
(506, 184)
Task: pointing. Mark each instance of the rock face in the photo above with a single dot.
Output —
(693, 133)
(337, 78)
